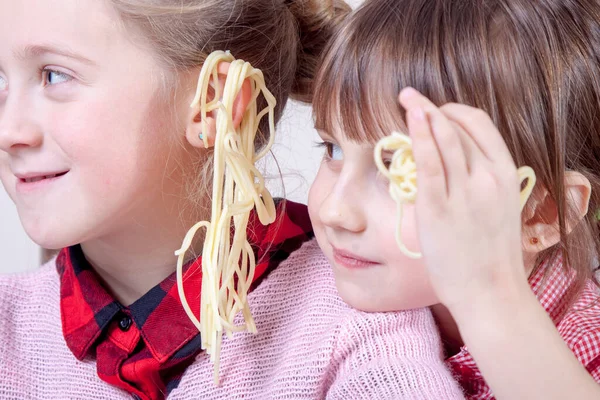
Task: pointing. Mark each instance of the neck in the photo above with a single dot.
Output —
(137, 258)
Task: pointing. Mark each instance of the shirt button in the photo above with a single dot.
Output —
(125, 323)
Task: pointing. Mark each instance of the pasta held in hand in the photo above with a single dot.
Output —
(228, 261)
(402, 175)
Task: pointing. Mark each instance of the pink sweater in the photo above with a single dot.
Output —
(310, 345)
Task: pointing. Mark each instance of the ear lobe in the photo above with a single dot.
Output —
(195, 131)
(540, 229)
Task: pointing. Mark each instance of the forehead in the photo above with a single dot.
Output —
(75, 25)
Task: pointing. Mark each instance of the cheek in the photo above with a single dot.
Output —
(384, 216)
(319, 191)
(91, 131)
(316, 195)
(6, 177)
(407, 227)
(124, 135)
(413, 288)
(409, 282)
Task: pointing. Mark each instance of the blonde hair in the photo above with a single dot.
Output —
(282, 38)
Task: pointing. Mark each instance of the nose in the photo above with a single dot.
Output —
(18, 128)
(343, 207)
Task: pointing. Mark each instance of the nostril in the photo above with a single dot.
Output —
(19, 138)
(12, 148)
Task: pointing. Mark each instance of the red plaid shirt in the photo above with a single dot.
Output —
(145, 348)
(579, 327)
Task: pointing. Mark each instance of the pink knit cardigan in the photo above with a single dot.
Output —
(310, 345)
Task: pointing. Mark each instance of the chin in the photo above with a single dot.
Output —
(48, 237)
(364, 299)
(359, 298)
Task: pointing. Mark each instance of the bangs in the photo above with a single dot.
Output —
(381, 48)
(356, 89)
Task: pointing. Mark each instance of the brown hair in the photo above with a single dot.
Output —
(283, 38)
(533, 66)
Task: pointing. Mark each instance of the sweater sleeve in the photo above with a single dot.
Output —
(390, 356)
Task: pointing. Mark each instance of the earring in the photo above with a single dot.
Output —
(201, 136)
(534, 240)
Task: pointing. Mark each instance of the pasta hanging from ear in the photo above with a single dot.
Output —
(228, 261)
(402, 175)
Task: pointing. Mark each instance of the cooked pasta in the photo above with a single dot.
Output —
(402, 176)
(228, 262)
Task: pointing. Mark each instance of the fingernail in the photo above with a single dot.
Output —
(418, 114)
(409, 92)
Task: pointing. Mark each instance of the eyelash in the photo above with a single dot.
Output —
(328, 147)
(47, 71)
(387, 161)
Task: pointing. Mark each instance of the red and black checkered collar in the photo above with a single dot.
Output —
(87, 307)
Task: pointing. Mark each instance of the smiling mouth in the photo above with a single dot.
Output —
(350, 260)
(42, 177)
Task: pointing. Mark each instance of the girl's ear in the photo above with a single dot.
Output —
(194, 133)
(541, 227)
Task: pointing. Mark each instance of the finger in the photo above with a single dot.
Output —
(479, 126)
(431, 177)
(473, 155)
(501, 169)
(446, 138)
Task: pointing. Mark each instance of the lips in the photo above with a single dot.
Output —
(351, 260)
(32, 183)
(36, 177)
(42, 177)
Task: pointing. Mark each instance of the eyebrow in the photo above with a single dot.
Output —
(33, 51)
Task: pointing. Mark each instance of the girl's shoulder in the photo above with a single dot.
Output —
(574, 317)
(578, 321)
(580, 328)
(35, 361)
(23, 290)
(307, 280)
(310, 344)
(29, 304)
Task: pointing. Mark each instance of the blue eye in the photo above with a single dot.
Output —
(52, 77)
(333, 152)
(3, 83)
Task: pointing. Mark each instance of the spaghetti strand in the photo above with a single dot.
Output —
(228, 261)
(402, 176)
